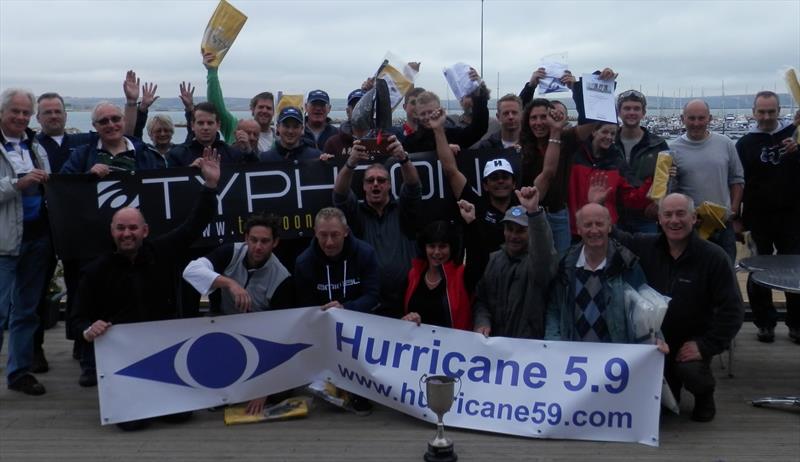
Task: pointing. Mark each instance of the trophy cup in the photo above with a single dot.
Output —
(439, 391)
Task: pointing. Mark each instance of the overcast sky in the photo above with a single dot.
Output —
(83, 48)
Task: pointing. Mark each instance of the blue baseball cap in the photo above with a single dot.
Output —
(354, 97)
(290, 113)
(318, 95)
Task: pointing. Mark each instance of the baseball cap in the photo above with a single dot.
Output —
(497, 165)
(354, 97)
(318, 95)
(518, 215)
(290, 113)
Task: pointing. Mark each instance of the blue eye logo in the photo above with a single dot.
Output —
(214, 360)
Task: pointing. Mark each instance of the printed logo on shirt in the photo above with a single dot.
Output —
(773, 154)
(110, 194)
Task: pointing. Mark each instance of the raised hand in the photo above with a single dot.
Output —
(148, 95)
(208, 59)
(187, 96)
(131, 87)
(537, 75)
(568, 79)
(467, 210)
(608, 74)
(598, 188)
(209, 166)
(529, 198)
(437, 119)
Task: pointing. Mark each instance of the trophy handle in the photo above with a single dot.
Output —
(458, 379)
(421, 381)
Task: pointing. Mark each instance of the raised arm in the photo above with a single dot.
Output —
(456, 179)
(214, 96)
(130, 86)
(555, 121)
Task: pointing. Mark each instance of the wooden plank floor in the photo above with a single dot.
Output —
(63, 425)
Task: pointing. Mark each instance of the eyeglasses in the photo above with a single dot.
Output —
(106, 120)
(376, 179)
(631, 95)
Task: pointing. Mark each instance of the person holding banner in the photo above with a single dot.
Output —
(705, 311)
(389, 226)
(437, 281)
(135, 283)
(337, 270)
(587, 301)
(511, 296)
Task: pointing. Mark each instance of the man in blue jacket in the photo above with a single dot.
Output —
(337, 270)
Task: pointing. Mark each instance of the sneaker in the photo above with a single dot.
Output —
(88, 378)
(766, 334)
(40, 365)
(27, 384)
(358, 405)
(794, 334)
(704, 408)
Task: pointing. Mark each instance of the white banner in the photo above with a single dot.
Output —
(542, 389)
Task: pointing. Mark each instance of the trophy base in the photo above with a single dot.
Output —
(440, 454)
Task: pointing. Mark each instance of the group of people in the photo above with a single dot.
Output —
(544, 252)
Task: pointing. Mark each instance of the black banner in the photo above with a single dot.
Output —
(81, 206)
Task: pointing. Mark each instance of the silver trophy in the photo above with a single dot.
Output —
(439, 392)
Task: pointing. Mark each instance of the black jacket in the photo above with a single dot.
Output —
(183, 155)
(772, 179)
(706, 305)
(423, 140)
(119, 291)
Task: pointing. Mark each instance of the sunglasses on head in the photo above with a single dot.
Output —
(631, 94)
(107, 120)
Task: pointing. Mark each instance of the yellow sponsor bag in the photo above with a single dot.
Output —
(221, 31)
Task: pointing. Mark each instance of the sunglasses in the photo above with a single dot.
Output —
(106, 120)
(376, 179)
(631, 95)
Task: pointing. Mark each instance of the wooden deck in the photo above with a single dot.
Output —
(63, 425)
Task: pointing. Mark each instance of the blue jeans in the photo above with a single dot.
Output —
(22, 279)
(726, 239)
(559, 225)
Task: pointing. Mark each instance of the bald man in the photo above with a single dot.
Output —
(247, 135)
(709, 169)
(587, 301)
(705, 311)
(136, 282)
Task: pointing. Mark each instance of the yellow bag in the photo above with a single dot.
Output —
(660, 176)
(295, 101)
(290, 408)
(713, 218)
(221, 31)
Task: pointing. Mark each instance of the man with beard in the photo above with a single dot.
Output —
(389, 226)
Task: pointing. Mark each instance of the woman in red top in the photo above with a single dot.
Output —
(600, 157)
(436, 293)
